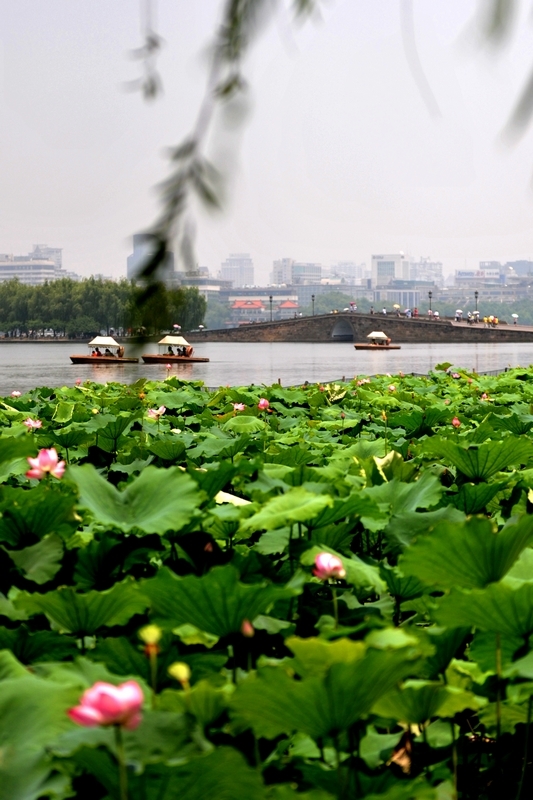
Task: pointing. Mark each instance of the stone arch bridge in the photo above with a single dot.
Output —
(355, 327)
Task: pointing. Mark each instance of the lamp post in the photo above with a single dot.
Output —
(313, 303)
(476, 295)
(430, 295)
(270, 299)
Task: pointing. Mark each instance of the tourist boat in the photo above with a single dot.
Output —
(377, 340)
(167, 355)
(105, 350)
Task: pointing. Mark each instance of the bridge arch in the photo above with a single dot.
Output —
(342, 331)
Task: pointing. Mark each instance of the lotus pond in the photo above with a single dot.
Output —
(262, 593)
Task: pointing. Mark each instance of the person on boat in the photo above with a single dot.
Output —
(371, 309)
(384, 311)
(93, 353)
(120, 352)
(388, 342)
(97, 351)
(107, 352)
(170, 351)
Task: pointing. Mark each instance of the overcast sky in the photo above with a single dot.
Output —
(338, 157)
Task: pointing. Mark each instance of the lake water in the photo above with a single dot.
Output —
(26, 365)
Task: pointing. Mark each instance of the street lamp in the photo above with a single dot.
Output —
(270, 299)
(313, 302)
(430, 295)
(476, 295)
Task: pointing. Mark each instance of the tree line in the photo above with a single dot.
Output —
(84, 308)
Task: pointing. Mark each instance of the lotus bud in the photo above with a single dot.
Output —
(151, 634)
(247, 629)
(263, 404)
(456, 422)
(328, 566)
(181, 672)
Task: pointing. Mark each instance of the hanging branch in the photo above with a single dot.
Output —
(192, 174)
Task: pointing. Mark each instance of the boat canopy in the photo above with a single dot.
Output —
(378, 335)
(174, 340)
(103, 341)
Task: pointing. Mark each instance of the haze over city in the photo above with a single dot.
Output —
(338, 156)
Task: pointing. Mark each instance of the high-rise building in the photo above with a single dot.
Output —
(282, 271)
(426, 271)
(239, 269)
(388, 268)
(143, 248)
(288, 271)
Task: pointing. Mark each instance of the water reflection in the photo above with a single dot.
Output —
(24, 366)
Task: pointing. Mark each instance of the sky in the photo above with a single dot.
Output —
(336, 158)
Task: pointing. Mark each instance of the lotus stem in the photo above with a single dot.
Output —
(153, 673)
(498, 687)
(335, 605)
(121, 758)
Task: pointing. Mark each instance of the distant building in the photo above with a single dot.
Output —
(521, 268)
(54, 254)
(282, 271)
(42, 265)
(488, 275)
(387, 268)
(288, 271)
(143, 248)
(239, 269)
(426, 271)
(349, 271)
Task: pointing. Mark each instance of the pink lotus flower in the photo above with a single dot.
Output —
(263, 404)
(32, 424)
(169, 366)
(321, 388)
(363, 381)
(46, 462)
(15, 394)
(238, 406)
(456, 422)
(78, 381)
(392, 388)
(105, 704)
(155, 413)
(328, 566)
(247, 629)
(455, 375)
(484, 396)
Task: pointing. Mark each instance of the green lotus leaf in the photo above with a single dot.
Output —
(30, 648)
(418, 701)
(41, 561)
(272, 702)
(222, 774)
(157, 501)
(480, 462)
(84, 614)
(471, 555)
(32, 714)
(402, 497)
(27, 515)
(296, 505)
(404, 526)
(472, 498)
(499, 607)
(244, 424)
(216, 603)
